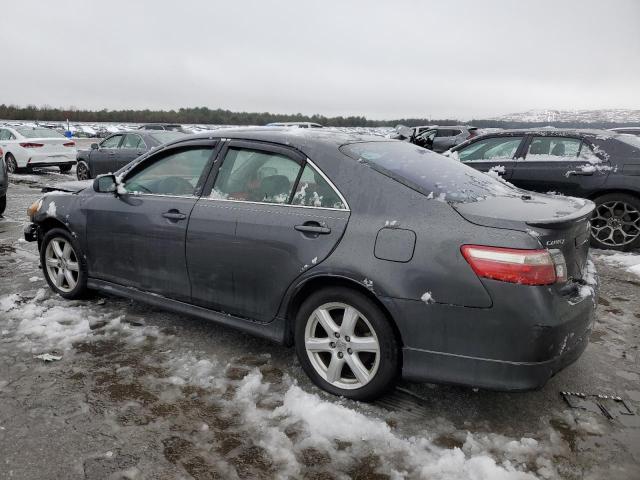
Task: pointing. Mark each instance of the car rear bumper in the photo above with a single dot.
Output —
(51, 159)
(520, 342)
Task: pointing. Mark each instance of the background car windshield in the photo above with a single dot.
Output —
(38, 133)
(166, 136)
(428, 173)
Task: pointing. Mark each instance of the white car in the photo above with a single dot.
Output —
(27, 146)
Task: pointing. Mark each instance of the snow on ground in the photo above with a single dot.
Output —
(630, 262)
(283, 419)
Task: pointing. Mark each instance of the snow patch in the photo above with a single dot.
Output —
(427, 298)
(51, 209)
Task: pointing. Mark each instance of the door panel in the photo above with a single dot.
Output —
(557, 164)
(131, 243)
(103, 159)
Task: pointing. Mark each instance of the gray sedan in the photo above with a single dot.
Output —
(375, 258)
(117, 150)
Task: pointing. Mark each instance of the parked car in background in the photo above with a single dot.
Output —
(26, 147)
(375, 258)
(600, 165)
(628, 130)
(295, 124)
(434, 137)
(115, 151)
(4, 183)
(172, 127)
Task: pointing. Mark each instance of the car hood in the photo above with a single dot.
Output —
(72, 187)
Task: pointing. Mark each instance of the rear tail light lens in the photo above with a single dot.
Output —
(31, 145)
(527, 267)
(69, 144)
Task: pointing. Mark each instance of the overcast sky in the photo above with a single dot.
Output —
(384, 60)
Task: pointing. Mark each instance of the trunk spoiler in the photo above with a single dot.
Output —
(560, 221)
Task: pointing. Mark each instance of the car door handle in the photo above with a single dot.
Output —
(174, 215)
(313, 227)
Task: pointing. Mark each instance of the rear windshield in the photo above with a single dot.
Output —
(629, 140)
(38, 132)
(166, 136)
(429, 173)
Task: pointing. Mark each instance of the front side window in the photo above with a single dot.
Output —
(176, 173)
(132, 141)
(553, 148)
(490, 149)
(314, 191)
(256, 176)
(111, 142)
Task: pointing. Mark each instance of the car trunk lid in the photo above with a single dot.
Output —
(559, 223)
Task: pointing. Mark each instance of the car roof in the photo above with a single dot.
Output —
(298, 138)
(551, 132)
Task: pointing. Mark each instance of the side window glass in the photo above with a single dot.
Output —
(111, 142)
(586, 153)
(553, 148)
(174, 174)
(314, 191)
(255, 176)
(4, 134)
(131, 141)
(490, 149)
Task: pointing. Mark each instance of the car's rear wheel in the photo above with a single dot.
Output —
(82, 171)
(63, 264)
(3, 203)
(346, 344)
(12, 165)
(65, 168)
(615, 223)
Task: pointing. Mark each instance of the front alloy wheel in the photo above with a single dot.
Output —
(82, 171)
(346, 344)
(616, 223)
(63, 264)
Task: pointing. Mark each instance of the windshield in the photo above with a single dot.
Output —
(166, 136)
(38, 132)
(428, 173)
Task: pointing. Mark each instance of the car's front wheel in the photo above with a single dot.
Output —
(346, 344)
(615, 223)
(63, 263)
(82, 171)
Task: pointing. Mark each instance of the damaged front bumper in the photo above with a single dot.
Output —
(31, 232)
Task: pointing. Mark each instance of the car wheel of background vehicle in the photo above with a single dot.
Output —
(3, 204)
(65, 168)
(615, 223)
(346, 344)
(82, 171)
(12, 165)
(63, 264)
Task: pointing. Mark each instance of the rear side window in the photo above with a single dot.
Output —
(503, 148)
(431, 174)
(38, 132)
(132, 141)
(111, 142)
(553, 148)
(256, 176)
(314, 191)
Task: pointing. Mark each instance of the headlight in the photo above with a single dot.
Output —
(34, 208)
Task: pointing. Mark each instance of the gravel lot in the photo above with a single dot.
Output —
(142, 393)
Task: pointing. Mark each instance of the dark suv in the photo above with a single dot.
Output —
(600, 165)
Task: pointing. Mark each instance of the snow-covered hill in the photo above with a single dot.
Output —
(587, 116)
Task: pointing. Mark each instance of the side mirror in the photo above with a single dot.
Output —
(95, 146)
(105, 184)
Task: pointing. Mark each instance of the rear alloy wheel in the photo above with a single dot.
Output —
(346, 345)
(82, 171)
(616, 222)
(12, 165)
(63, 264)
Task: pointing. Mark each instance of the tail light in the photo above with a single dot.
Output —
(69, 144)
(31, 145)
(527, 267)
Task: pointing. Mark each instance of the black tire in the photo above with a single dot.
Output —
(3, 204)
(615, 224)
(82, 171)
(65, 168)
(80, 289)
(12, 165)
(387, 371)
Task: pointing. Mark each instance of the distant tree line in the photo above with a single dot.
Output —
(204, 115)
